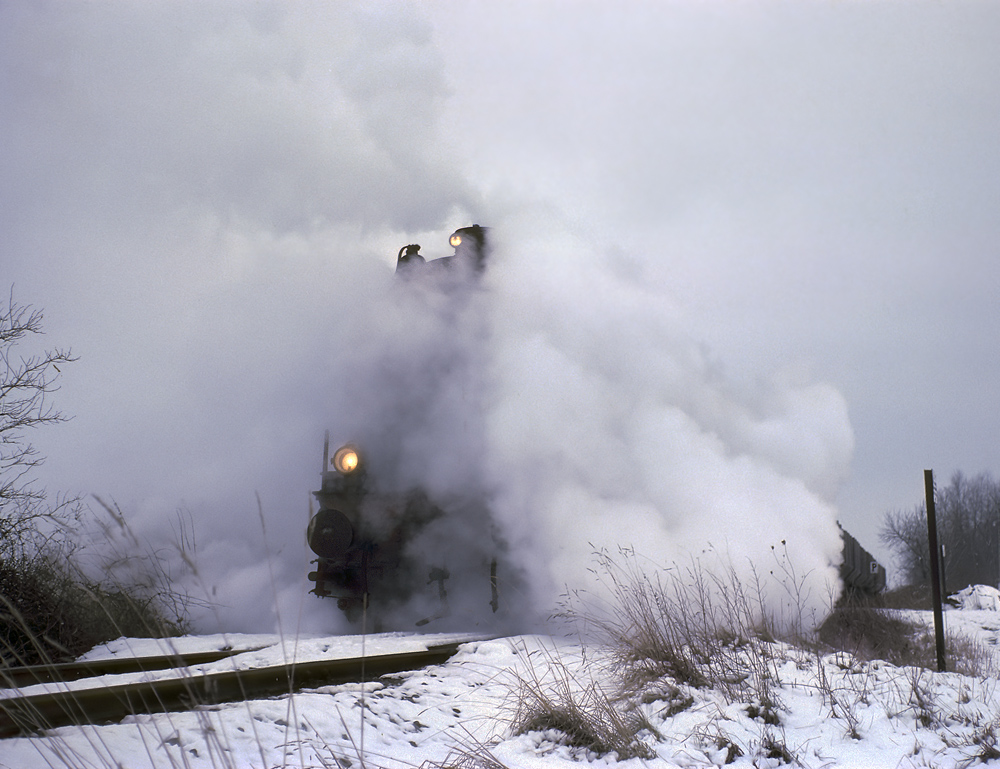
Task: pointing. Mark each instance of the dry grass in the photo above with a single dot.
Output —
(906, 597)
(683, 628)
(682, 624)
(871, 633)
(668, 632)
(581, 711)
(468, 757)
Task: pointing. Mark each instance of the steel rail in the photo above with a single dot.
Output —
(29, 675)
(21, 716)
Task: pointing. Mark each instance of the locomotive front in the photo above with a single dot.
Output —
(371, 544)
(360, 536)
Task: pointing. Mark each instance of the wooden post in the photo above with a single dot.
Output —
(935, 571)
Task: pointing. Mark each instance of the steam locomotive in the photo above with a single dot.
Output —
(859, 571)
(389, 549)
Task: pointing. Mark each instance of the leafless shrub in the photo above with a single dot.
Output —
(48, 608)
(711, 733)
(845, 711)
(649, 635)
(54, 605)
(26, 382)
(146, 579)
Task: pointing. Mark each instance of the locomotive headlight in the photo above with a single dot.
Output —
(346, 460)
(455, 240)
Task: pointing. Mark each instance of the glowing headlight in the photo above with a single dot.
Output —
(346, 460)
(455, 240)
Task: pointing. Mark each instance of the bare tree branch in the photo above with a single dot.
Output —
(25, 384)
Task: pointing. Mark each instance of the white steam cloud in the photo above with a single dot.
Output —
(206, 203)
(563, 395)
(611, 427)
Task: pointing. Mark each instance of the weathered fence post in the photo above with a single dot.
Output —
(935, 552)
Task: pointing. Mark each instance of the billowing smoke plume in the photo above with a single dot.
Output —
(612, 427)
(206, 202)
(561, 397)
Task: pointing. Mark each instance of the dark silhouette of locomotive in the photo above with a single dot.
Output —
(364, 539)
(471, 250)
(389, 549)
(859, 571)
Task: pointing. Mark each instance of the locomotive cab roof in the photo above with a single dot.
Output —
(471, 246)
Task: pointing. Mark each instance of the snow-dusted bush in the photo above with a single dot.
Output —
(61, 599)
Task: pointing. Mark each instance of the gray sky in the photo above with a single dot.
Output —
(753, 244)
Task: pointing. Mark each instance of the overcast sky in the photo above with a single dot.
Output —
(748, 248)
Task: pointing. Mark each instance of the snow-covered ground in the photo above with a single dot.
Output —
(829, 711)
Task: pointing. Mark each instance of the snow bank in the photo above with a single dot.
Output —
(977, 597)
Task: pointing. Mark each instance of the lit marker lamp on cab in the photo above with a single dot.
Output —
(455, 240)
(346, 460)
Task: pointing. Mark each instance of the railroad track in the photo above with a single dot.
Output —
(29, 675)
(31, 714)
